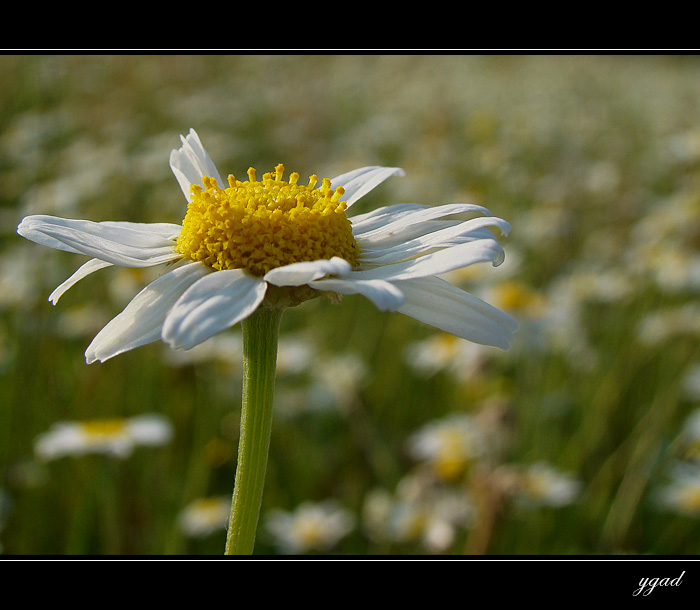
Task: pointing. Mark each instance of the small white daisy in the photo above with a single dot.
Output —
(691, 382)
(205, 516)
(689, 438)
(115, 437)
(449, 446)
(682, 493)
(542, 484)
(443, 351)
(271, 242)
(310, 526)
(420, 509)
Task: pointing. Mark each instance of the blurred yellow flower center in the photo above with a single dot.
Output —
(261, 225)
(689, 499)
(451, 459)
(103, 428)
(515, 296)
(309, 532)
(209, 510)
(447, 345)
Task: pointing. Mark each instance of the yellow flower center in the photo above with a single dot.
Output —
(452, 458)
(103, 428)
(515, 296)
(689, 499)
(309, 532)
(261, 225)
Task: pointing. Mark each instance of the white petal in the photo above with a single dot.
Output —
(384, 295)
(380, 216)
(30, 228)
(142, 320)
(90, 267)
(190, 162)
(298, 274)
(213, 304)
(443, 237)
(397, 227)
(436, 263)
(112, 242)
(438, 303)
(150, 429)
(167, 230)
(361, 181)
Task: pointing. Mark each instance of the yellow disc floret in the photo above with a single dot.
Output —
(261, 225)
(103, 428)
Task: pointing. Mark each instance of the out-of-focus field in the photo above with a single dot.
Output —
(579, 440)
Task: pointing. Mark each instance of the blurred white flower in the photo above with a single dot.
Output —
(115, 437)
(562, 323)
(294, 355)
(396, 519)
(310, 527)
(542, 484)
(685, 147)
(546, 222)
(689, 437)
(592, 285)
(562, 327)
(664, 243)
(673, 220)
(419, 510)
(205, 516)
(603, 178)
(673, 267)
(682, 493)
(337, 378)
(660, 325)
(448, 446)
(517, 298)
(691, 382)
(462, 359)
(333, 380)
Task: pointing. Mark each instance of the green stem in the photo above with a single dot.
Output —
(260, 332)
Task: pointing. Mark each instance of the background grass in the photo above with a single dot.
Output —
(594, 160)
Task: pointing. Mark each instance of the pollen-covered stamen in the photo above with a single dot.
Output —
(261, 225)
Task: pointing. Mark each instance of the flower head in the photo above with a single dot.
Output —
(420, 509)
(682, 492)
(115, 437)
(310, 526)
(204, 516)
(449, 445)
(542, 484)
(276, 243)
(689, 438)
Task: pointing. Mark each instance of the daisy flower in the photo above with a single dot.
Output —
(419, 509)
(682, 493)
(310, 526)
(545, 485)
(276, 243)
(115, 437)
(205, 516)
(449, 445)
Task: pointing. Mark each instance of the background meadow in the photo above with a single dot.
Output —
(388, 438)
